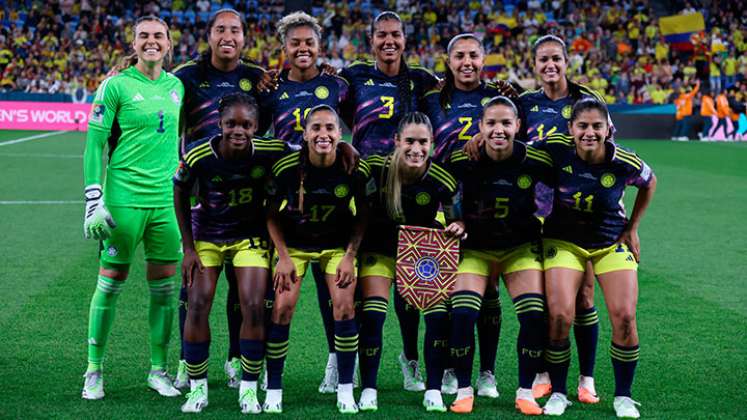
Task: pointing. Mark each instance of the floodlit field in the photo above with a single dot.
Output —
(692, 312)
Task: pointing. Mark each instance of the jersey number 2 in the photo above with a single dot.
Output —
(467, 121)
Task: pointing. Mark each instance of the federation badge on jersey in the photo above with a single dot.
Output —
(245, 85)
(97, 113)
(607, 180)
(321, 92)
(175, 97)
(566, 112)
(426, 267)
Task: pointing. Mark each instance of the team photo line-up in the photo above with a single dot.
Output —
(530, 182)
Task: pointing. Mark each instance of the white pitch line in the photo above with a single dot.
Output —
(25, 139)
(33, 202)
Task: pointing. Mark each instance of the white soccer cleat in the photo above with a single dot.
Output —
(411, 378)
(625, 408)
(556, 405)
(449, 382)
(369, 400)
(263, 383)
(93, 385)
(345, 399)
(248, 399)
(486, 385)
(329, 382)
(233, 372)
(160, 382)
(526, 404)
(182, 377)
(273, 401)
(587, 393)
(541, 387)
(197, 398)
(433, 402)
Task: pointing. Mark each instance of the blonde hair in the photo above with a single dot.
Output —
(297, 20)
(131, 59)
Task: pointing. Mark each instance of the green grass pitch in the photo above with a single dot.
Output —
(692, 312)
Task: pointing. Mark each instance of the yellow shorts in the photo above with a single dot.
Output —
(562, 254)
(526, 256)
(245, 253)
(373, 264)
(328, 259)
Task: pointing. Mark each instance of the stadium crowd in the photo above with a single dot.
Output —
(615, 47)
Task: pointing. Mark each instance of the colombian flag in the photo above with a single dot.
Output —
(491, 65)
(679, 29)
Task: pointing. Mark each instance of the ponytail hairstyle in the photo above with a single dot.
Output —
(238, 99)
(203, 61)
(131, 59)
(304, 155)
(590, 103)
(499, 100)
(392, 193)
(549, 38)
(449, 83)
(403, 77)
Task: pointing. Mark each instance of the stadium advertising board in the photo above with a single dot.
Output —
(43, 116)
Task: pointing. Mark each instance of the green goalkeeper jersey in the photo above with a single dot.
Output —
(138, 119)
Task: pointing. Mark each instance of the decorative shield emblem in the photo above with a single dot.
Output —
(427, 263)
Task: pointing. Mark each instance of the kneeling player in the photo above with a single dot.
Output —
(231, 170)
(588, 224)
(498, 208)
(311, 217)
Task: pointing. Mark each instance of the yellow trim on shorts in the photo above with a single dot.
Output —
(242, 253)
(375, 264)
(527, 256)
(564, 254)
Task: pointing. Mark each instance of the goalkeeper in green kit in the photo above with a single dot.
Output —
(136, 114)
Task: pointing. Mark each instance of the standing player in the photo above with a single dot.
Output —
(136, 113)
(311, 217)
(498, 207)
(455, 110)
(588, 224)
(230, 171)
(300, 88)
(410, 189)
(217, 72)
(380, 93)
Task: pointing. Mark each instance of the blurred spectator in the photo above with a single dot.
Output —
(684, 104)
(707, 111)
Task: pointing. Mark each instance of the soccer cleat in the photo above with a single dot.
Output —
(541, 386)
(248, 402)
(526, 404)
(160, 382)
(462, 406)
(587, 394)
(412, 381)
(556, 405)
(433, 402)
(486, 385)
(625, 408)
(329, 382)
(369, 400)
(197, 398)
(449, 382)
(345, 399)
(93, 385)
(233, 372)
(182, 377)
(273, 401)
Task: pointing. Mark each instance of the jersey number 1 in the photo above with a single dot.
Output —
(297, 114)
(160, 128)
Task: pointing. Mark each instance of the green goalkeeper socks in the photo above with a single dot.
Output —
(160, 319)
(100, 319)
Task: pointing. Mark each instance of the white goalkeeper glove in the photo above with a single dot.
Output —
(97, 222)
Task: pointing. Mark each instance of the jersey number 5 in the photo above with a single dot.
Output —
(501, 207)
(388, 102)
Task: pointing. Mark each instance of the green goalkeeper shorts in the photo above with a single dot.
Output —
(157, 228)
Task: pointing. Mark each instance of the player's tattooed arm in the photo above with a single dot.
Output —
(191, 262)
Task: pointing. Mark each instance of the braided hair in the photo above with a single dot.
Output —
(238, 99)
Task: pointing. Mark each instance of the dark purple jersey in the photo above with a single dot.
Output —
(231, 194)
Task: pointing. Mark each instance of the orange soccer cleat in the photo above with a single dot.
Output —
(462, 406)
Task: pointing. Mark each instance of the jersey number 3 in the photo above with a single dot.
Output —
(388, 102)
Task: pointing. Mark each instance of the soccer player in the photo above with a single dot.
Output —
(455, 110)
(380, 93)
(311, 217)
(498, 208)
(217, 72)
(136, 113)
(588, 224)
(300, 88)
(230, 170)
(409, 190)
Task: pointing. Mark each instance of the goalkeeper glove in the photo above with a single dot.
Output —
(97, 222)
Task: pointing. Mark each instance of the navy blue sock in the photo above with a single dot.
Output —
(233, 313)
(489, 329)
(346, 346)
(586, 331)
(196, 355)
(409, 322)
(183, 302)
(372, 325)
(436, 344)
(325, 305)
(277, 350)
(252, 354)
(558, 358)
(465, 308)
(624, 361)
(530, 343)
